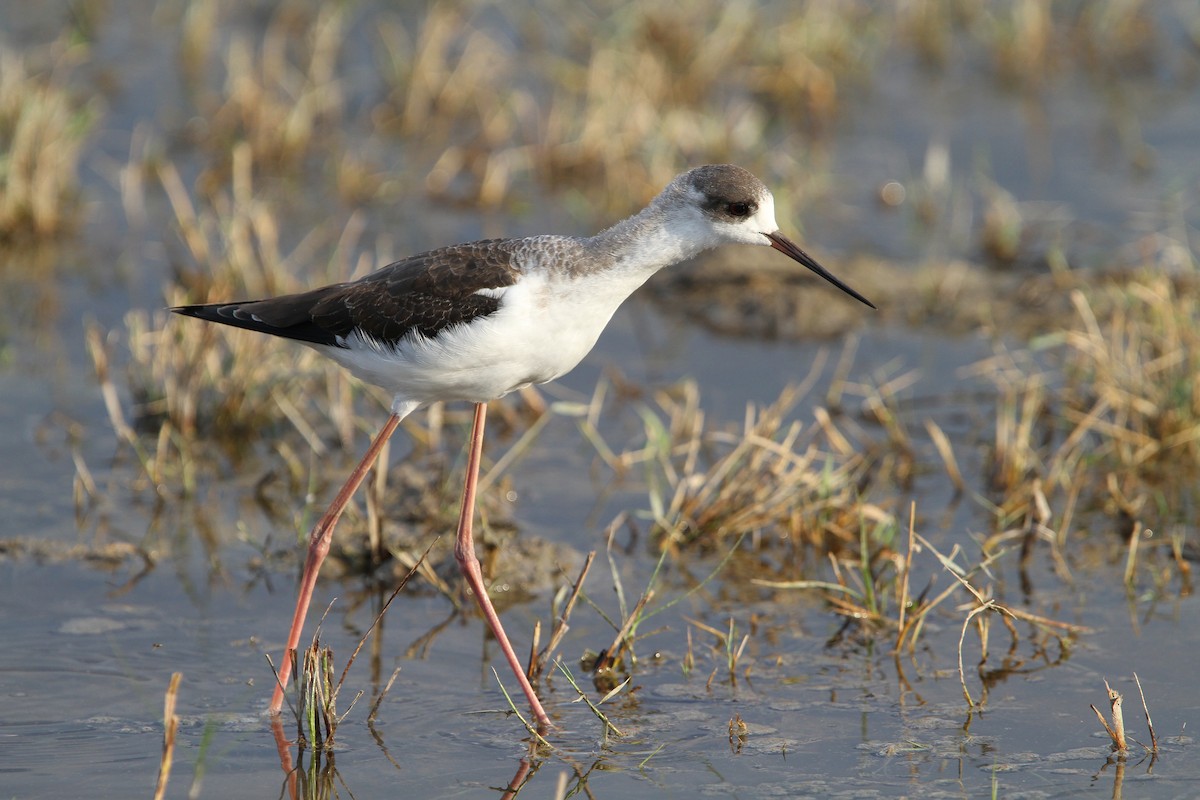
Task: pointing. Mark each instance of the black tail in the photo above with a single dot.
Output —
(289, 317)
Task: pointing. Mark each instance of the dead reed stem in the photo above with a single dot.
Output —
(538, 665)
(1116, 731)
(1146, 709)
(170, 727)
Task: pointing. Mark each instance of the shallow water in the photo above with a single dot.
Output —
(89, 646)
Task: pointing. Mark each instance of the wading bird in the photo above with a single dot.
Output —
(476, 321)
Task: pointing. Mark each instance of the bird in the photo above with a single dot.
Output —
(473, 322)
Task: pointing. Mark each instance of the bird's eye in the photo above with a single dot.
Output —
(739, 210)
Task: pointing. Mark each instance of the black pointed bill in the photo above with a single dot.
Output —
(791, 250)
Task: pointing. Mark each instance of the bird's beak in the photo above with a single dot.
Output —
(793, 251)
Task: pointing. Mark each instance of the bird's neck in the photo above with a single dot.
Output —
(646, 243)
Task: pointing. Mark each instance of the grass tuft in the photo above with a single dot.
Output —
(282, 95)
(707, 484)
(43, 130)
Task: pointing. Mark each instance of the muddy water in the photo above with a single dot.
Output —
(92, 633)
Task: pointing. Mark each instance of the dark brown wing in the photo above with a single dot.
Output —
(419, 296)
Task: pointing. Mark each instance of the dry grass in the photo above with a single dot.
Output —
(43, 129)
(1097, 427)
(1022, 418)
(282, 94)
(863, 590)
(626, 95)
(979, 610)
(619, 96)
(769, 477)
(1133, 366)
(1025, 43)
(1117, 424)
(861, 585)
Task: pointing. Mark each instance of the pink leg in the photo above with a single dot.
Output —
(318, 548)
(464, 552)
